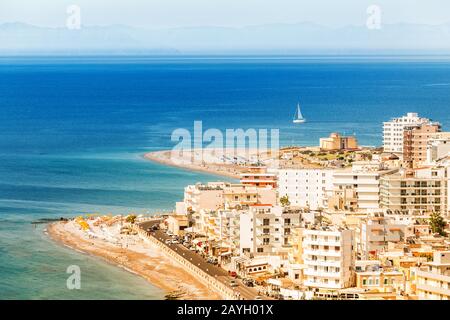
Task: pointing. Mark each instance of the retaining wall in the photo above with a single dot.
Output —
(211, 282)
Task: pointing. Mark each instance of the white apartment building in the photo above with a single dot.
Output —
(393, 131)
(266, 230)
(306, 187)
(359, 186)
(422, 190)
(328, 257)
(438, 147)
(433, 280)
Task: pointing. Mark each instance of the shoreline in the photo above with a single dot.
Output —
(146, 261)
(219, 169)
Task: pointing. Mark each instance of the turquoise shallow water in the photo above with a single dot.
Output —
(34, 267)
(73, 132)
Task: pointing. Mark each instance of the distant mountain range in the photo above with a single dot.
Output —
(20, 38)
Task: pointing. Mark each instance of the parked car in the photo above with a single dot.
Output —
(170, 233)
(212, 260)
(186, 244)
(249, 282)
(232, 274)
(193, 248)
(155, 227)
(175, 241)
(233, 283)
(168, 241)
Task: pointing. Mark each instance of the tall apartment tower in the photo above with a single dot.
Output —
(328, 257)
(393, 131)
(415, 141)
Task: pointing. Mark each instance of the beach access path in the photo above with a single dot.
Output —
(220, 274)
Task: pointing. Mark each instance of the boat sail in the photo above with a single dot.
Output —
(298, 118)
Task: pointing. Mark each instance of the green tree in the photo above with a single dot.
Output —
(437, 223)
(131, 218)
(284, 201)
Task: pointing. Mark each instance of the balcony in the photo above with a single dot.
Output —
(324, 253)
(327, 263)
(322, 242)
(321, 273)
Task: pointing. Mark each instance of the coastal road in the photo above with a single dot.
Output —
(220, 274)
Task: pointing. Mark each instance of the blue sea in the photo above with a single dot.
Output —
(73, 131)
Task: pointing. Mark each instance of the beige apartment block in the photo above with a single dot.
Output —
(266, 229)
(415, 141)
(376, 231)
(393, 131)
(218, 195)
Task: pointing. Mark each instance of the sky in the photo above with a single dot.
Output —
(230, 13)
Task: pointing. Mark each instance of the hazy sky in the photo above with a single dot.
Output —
(172, 13)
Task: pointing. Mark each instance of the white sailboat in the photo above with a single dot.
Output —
(298, 118)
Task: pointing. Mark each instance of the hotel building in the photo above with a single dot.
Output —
(307, 188)
(328, 257)
(393, 131)
(417, 191)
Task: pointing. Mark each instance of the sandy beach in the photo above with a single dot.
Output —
(131, 253)
(212, 164)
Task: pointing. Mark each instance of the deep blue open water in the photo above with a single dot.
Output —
(73, 132)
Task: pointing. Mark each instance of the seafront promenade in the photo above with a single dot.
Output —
(131, 252)
(214, 277)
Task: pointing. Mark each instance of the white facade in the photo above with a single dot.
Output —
(393, 131)
(364, 179)
(306, 187)
(266, 230)
(438, 147)
(425, 190)
(328, 257)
